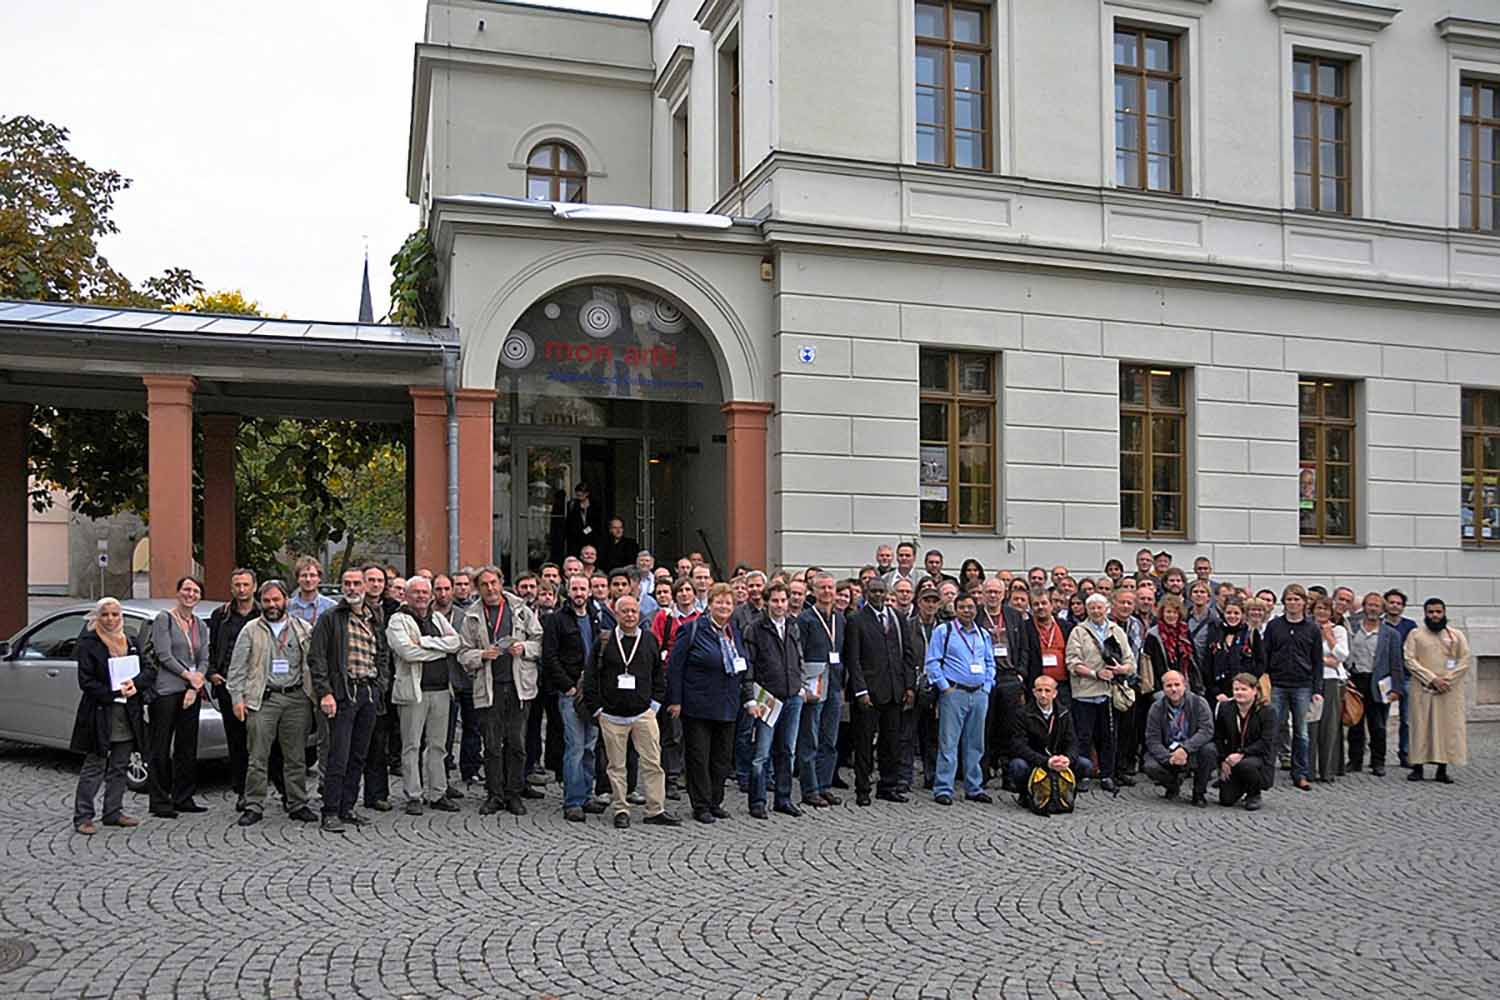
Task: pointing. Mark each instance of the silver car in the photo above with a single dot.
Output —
(39, 682)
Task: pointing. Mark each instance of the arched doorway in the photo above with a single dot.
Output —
(613, 385)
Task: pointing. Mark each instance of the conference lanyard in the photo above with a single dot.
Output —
(829, 626)
(619, 642)
(495, 628)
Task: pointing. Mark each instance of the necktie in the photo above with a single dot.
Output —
(885, 622)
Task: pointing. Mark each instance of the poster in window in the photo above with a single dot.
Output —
(935, 467)
(1307, 487)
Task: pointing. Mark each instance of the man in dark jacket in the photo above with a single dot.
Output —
(568, 639)
(1043, 737)
(223, 629)
(623, 690)
(1293, 658)
(350, 666)
(775, 645)
(583, 524)
(1018, 660)
(824, 632)
(1180, 739)
(882, 665)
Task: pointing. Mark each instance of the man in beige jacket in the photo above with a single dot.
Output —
(423, 645)
(1438, 661)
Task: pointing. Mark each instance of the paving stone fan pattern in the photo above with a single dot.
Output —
(1369, 887)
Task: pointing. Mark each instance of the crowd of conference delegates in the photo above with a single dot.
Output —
(628, 684)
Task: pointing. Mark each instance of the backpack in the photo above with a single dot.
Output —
(145, 681)
(1048, 792)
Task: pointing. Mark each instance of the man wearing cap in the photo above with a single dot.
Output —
(924, 623)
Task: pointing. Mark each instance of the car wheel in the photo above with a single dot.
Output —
(136, 772)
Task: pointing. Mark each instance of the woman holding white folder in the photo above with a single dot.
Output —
(109, 722)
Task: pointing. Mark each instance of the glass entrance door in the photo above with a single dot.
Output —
(549, 469)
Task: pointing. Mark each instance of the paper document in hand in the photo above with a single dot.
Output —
(1384, 686)
(122, 669)
(817, 687)
(770, 702)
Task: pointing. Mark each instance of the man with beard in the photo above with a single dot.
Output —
(272, 690)
(1437, 658)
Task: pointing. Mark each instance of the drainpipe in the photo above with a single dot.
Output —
(450, 387)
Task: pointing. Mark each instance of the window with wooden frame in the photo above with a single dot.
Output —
(1479, 487)
(1148, 110)
(1325, 451)
(1479, 155)
(555, 172)
(953, 85)
(1321, 106)
(957, 477)
(1153, 451)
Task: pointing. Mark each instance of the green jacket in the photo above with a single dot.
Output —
(251, 660)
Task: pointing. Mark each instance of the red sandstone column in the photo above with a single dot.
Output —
(15, 429)
(476, 475)
(745, 482)
(429, 478)
(219, 432)
(169, 407)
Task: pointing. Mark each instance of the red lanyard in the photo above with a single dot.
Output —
(495, 628)
(190, 634)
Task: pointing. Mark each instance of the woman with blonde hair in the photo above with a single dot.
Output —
(108, 727)
(1243, 727)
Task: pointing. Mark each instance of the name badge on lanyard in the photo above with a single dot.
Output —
(625, 680)
(831, 631)
(281, 667)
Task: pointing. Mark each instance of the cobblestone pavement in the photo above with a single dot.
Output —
(1369, 887)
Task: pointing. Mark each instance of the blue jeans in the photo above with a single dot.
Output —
(1299, 700)
(961, 716)
(828, 733)
(744, 745)
(580, 735)
(782, 742)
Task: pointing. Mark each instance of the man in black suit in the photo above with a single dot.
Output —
(617, 551)
(584, 522)
(1018, 660)
(882, 660)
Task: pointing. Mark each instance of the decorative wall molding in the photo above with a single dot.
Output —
(1469, 31)
(672, 83)
(1343, 13)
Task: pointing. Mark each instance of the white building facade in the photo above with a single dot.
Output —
(1027, 281)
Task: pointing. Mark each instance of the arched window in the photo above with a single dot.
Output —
(555, 172)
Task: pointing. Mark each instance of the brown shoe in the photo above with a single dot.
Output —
(87, 828)
(123, 820)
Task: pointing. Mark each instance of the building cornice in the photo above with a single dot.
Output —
(672, 83)
(1343, 13)
(1469, 31)
(715, 15)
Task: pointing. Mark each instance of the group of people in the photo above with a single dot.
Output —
(629, 685)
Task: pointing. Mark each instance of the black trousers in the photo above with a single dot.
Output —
(236, 737)
(462, 713)
(881, 722)
(174, 751)
(908, 747)
(349, 733)
(927, 737)
(503, 726)
(671, 747)
(1377, 714)
(1126, 743)
(377, 770)
(1244, 779)
(1200, 766)
(1007, 702)
(708, 751)
(1093, 722)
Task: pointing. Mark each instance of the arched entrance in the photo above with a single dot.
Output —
(614, 385)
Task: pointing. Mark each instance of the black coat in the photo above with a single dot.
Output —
(883, 665)
(601, 678)
(1257, 741)
(562, 646)
(1034, 741)
(617, 553)
(1230, 653)
(91, 726)
(584, 527)
(1023, 648)
(775, 664)
(330, 641)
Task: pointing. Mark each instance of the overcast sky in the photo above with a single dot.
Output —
(266, 140)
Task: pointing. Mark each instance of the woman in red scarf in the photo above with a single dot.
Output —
(1168, 646)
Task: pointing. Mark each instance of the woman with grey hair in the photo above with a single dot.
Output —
(1099, 657)
(109, 725)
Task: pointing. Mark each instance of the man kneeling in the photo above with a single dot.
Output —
(1043, 737)
(1179, 739)
(1242, 736)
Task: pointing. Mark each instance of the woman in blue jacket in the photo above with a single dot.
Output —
(703, 688)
